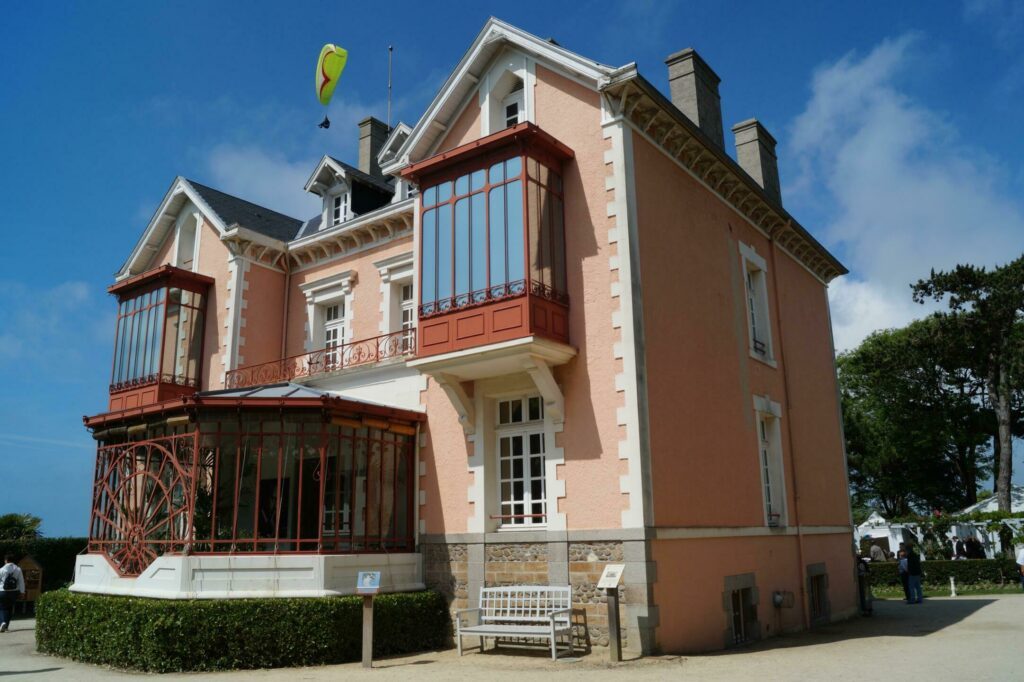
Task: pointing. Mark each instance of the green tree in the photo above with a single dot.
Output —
(20, 527)
(985, 314)
(915, 429)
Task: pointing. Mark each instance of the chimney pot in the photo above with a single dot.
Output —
(693, 87)
(755, 152)
(372, 136)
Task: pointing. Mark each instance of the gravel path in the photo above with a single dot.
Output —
(967, 638)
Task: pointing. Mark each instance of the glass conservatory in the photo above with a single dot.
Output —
(282, 469)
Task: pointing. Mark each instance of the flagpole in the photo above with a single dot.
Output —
(390, 50)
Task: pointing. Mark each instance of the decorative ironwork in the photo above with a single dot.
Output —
(330, 359)
(150, 379)
(548, 292)
(142, 504)
(498, 292)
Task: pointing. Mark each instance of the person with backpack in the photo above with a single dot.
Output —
(13, 583)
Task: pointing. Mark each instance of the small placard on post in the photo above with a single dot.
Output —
(368, 584)
(609, 582)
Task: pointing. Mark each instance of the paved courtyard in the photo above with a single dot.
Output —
(967, 638)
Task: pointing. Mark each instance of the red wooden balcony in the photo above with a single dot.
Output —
(332, 359)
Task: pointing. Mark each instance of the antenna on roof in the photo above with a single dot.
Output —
(390, 50)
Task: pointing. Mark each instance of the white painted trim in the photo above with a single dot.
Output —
(394, 272)
(493, 31)
(630, 382)
(334, 289)
(746, 531)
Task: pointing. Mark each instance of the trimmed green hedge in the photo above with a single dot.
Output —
(157, 635)
(55, 555)
(966, 572)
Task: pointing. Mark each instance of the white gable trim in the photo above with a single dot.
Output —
(471, 67)
(325, 162)
(162, 223)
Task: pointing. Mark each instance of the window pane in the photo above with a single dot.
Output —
(503, 413)
(557, 244)
(444, 251)
(428, 287)
(497, 173)
(496, 202)
(477, 180)
(540, 270)
(462, 186)
(514, 232)
(478, 241)
(444, 192)
(535, 409)
(517, 411)
(513, 167)
(430, 197)
(462, 250)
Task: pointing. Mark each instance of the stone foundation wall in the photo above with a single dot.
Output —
(450, 569)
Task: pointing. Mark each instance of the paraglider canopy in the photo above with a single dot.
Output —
(328, 70)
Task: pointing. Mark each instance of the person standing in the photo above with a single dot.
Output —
(901, 568)
(12, 582)
(914, 594)
(1020, 566)
(959, 549)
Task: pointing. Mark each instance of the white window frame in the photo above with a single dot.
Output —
(755, 302)
(517, 97)
(770, 462)
(525, 429)
(407, 314)
(320, 295)
(187, 232)
(495, 88)
(395, 273)
(334, 331)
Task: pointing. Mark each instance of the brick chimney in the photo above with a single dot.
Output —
(693, 87)
(372, 135)
(755, 152)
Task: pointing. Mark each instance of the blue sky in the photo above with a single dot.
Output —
(898, 125)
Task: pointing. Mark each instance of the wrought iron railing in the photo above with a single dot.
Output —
(330, 359)
(498, 292)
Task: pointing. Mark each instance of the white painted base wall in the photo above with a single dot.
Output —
(253, 576)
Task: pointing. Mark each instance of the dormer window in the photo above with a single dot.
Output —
(339, 208)
(512, 106)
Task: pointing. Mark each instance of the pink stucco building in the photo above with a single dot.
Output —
(550, 326)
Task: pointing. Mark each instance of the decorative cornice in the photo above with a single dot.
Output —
(629, 96)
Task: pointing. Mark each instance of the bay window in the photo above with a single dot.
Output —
(158, 334)
(492, 230)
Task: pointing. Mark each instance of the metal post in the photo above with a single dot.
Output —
(367, 630)
(614, 643)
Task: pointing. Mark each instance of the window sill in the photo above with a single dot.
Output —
(520, 529)
(763, 359)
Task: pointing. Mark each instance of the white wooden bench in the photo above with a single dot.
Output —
(534, 612)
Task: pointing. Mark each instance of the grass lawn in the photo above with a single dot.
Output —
(896, 592)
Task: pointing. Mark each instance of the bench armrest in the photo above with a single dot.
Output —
(460, 612)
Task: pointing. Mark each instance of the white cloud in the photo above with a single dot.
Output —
(37, 322)
(269, 180)
(906, 194)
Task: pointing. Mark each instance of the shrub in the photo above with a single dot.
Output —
(157, 635)
(966, 572)
(56, 556)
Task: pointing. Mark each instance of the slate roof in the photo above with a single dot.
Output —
(231, 210)
(365, 178)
